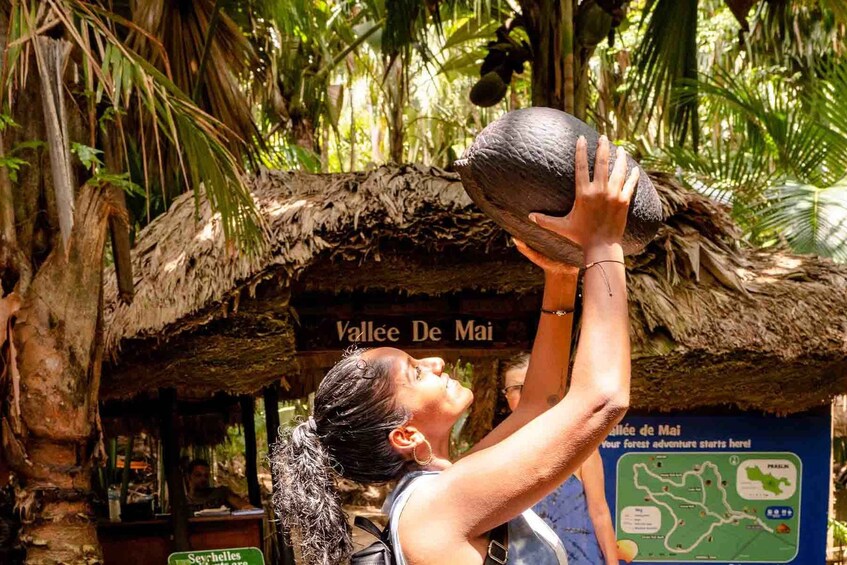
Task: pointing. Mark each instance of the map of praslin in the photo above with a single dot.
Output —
(692, 506)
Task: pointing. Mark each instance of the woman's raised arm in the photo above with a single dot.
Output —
(546, 375)
(495, 484)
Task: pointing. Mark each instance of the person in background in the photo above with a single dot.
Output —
(577, 511)
(202, 495)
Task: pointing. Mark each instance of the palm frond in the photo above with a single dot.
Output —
(173, 123)
(723, 171)
(407, 21)
(666, 56)
(811, 219)
(777, 117)
(774, 141)
(310, 42)
(403, 20)
(795, 34)
(471, 29)
(838, 9)
(828, 97)
(172, 36)
(17, 32)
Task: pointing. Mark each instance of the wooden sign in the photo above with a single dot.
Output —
(425, 331)
(459, 321)
(235, 556)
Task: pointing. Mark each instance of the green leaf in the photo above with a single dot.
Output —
(121, 181)
(465, 63)
(87, 155)
(183, 142)
(838, 8)
(6, 121)
(783, 120)
(13, 164)
(474, 29)
(810, 219)
(723, 171)
(23, 145)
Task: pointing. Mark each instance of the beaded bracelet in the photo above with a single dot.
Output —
(566, 311)
(559, 313)
(603, 271)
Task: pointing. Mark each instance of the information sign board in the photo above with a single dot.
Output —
(725, 488)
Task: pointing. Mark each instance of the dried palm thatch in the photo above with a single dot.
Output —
(714, 323)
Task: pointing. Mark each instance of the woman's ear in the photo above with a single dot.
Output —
(405, 439)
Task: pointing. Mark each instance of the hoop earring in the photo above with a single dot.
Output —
(428, 459)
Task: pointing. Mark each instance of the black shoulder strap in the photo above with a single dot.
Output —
(498, 546)
(370, 527)
(379, 552)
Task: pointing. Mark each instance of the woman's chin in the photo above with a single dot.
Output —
(469, 399)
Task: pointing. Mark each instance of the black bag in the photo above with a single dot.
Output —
(381, 552)
(377, 553)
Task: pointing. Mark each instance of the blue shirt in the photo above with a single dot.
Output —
(566, 511)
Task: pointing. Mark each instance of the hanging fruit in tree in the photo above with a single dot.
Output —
(488, 90)
(505, 57)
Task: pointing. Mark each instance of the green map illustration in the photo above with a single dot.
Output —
(693, 506)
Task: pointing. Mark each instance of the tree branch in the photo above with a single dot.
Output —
(8, 239)
(15, 269)
(119, 221)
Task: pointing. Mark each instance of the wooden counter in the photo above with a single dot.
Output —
(150, 542)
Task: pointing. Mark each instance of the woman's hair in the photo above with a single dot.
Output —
(347, 435)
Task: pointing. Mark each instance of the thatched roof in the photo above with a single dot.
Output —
(714, 323)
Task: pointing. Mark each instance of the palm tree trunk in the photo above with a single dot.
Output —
(481, 417)
(50, 433)
(303, 131)
(548, 39)
(119, 222)
(397, 89)
(51, 340)
(352, 126)
(560, 56)
(567, 37)
(581, 92)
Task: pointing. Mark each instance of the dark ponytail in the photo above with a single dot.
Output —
(355, 409)
(306, 498)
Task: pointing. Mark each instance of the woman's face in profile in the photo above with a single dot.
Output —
(434, 399)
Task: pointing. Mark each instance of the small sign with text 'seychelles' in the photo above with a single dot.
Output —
(235, 556)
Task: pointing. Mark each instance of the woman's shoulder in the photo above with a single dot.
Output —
(397, 498)
(396, 502)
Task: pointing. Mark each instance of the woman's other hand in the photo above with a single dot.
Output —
(599, 212)
(550, 267)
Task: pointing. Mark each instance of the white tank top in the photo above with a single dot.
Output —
(531, 541)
